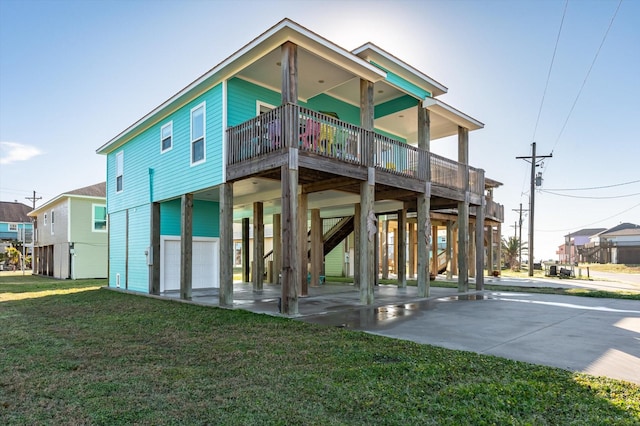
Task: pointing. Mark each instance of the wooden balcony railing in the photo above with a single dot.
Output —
(327, 136)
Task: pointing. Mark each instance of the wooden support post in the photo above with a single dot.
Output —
(479, 247)
(401, 232)
(258, 247)
(225, 295)
(290, 229)
(463, 244)
(424, 231)
(412, 250)
(449, 250)
(490, 267)
(303, 244)
(434, 250)
(246, 264)
(186, 246)
(384, 247)
(317, 250)
(472, 251)
(368, 220)
(356, 245)
(499, 248)
(277, 248)
(153, 255)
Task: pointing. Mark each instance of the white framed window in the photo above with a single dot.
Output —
(166, 137)
(198, 134)
(119, 170)
(13, 227)
(53, 219)
(45, 220)
(99, 218)
(262, 107)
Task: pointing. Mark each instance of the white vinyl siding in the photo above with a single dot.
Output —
(198, 134)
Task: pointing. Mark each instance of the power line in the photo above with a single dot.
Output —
(593, 223)
(594, 187)
(553, 57)
(584, 82)
(592, 198)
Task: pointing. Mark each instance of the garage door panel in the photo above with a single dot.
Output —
(205, 264)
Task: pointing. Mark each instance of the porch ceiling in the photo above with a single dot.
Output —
(317, 75)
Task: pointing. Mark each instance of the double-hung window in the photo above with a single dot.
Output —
(119, 170)
(52, 221)
(166, 137)
(99, 218)
(198, 144)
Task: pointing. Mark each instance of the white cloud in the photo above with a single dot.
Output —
(11, 152)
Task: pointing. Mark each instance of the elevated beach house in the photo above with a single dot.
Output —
(289, 132)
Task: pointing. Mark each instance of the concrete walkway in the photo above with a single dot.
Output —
(591, 335)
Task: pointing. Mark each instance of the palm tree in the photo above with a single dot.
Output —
(510, 251)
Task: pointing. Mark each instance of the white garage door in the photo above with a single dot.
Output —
(205, 268)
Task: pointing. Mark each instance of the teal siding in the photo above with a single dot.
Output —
(334, 262)
(206, 221)
(138, 241)
(346, 112)
(395, 105)
(404, 84)
(242, 97)
(117, 248)
(172, 173)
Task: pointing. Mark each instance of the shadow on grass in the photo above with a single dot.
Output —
(36, 283)
(112, 358)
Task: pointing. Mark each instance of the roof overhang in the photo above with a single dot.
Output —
(263, 49)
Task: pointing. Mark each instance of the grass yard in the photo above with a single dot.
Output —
(100, 357)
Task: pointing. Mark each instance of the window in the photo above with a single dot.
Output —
(45, 220)
(52, 221)
(119, 170)
(198, 134)
(13, 227)
(166, 137)
(99, 218)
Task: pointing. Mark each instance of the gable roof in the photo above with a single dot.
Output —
(587, 232)
(12, 211)
(97, 191)
(617, 230)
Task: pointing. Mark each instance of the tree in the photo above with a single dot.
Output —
(510, 251)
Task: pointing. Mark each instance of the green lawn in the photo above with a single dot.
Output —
(102, 357)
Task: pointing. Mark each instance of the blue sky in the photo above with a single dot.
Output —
(73, 74)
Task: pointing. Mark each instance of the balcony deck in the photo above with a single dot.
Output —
(333, 154)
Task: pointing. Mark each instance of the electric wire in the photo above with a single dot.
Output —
(553, 57)
(584, 82)
(591, 198)
(589, 224)
(593, 187)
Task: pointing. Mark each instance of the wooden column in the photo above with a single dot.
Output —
(472, 250)
(412, 249)
(401, 238)
(434, 250)
(463, 210)
(153, 255)
(258, 247)
(186, 246)
(290, 252)
(317, 250)
(384, 247)
(449, 250)
(289, 68)
(490, 267)
(499, 248)
(225, 295)
(479, 248)
(303, 244)
(368, 220)
(246, 264)
(424, 203)
(277, 248)
(356, 245)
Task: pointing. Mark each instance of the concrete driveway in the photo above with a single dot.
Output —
(596, 336)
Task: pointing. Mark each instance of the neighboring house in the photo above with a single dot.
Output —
(289, 132)
(71, 235)
(574, 243)
(620, 244)
(15, 226)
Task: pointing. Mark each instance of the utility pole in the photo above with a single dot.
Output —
(520, 233)
(33, 199)
(533, 159)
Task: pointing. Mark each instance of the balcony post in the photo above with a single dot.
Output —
(186, 246)
(463, 210)
(424, 203)
(258, 247)
(480, 214)
(226, 245)
(401, 267)
(368, 220)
